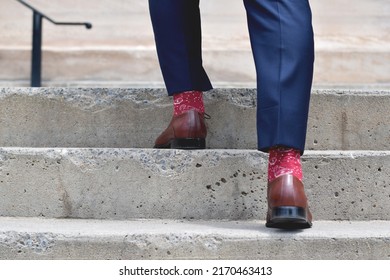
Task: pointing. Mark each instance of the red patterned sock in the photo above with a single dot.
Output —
(284, 161)
(188, 100)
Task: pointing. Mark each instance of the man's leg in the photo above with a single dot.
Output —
(282, 44)
(177, 30)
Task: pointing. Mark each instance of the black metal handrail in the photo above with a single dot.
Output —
(36, 60)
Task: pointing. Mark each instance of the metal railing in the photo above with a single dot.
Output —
(36, 57)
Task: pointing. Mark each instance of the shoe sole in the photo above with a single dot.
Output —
(184, 144)
(288, 217)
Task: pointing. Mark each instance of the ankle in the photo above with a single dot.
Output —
(188, 100)
(284, 161)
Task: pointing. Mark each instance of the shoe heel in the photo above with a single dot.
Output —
(288, 217)
(188, 143)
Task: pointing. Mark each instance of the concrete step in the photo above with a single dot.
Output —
(168, 239)
(121, 21)
(337, 61)
(176, 184)
(133, 118)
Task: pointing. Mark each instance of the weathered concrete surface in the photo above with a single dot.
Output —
(349, 120)
(175, 184)
(167, 239)
(133, 118)
(352, 43)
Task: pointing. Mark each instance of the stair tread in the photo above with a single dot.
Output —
(35, 238)
(78, 228)
(212, 43)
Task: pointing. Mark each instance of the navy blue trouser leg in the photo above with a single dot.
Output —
(177, 32)
(283, 48)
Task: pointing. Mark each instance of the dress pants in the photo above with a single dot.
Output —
(282, 43)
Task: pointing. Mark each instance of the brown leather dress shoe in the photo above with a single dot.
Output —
(287, 204)
(185, 131)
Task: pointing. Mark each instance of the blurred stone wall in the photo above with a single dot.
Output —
(352, 43)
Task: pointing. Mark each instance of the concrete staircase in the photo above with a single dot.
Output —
(78, 179)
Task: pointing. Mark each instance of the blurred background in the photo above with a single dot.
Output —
(352, 44)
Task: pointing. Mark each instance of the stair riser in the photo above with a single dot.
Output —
(333, 66)
(171, 184)
(203, 248)
(55, 117)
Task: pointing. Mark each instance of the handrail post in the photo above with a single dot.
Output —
(36, 57)
(36, 50)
